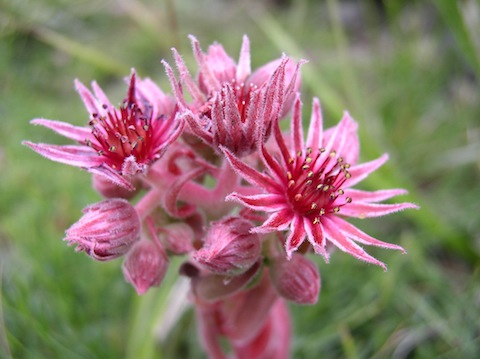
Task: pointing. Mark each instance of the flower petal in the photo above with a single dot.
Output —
(78, 156)
(354, 233)
(360, 172)
(376, 196)
(79, 134)
(296, 126)
(335, 236)
(250, 174)
(316, 237)
(244, 67)
(260, 202)
(91, 103)
(296, 237)
(364, 210)
(315, 130)
(112, 175)
(278, 221)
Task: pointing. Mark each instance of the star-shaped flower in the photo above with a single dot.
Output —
(308, 184)
(119, 142)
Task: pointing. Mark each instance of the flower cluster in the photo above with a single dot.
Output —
(207, 173)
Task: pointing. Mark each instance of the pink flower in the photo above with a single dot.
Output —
(230, 106)
(107, 230)
(120, 142)
(307, 187)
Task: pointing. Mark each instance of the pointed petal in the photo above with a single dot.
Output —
(78, 156)
(360, 172)
(315, 130)
(338, 138)
(335, 236)
(376, 196)
(364, 210)
(100, 95)
(176, 88)
(357, 235)
(297, 126)
(250, 174)
(243, 68)
(91, 103)
(316, 237)
(272, 164)
(278, 221)
(281, 143)
(112, 175)
(260, 202)
(296, 237)
(208, 78)
(79, 134)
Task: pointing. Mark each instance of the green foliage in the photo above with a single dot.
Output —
(408, 71)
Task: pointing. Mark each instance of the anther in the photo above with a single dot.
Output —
(314, 206)
(298, 197)
(336, 209)
(309, 150)
(348, 199)
(305, 167)
(322, 211)
(316, 220)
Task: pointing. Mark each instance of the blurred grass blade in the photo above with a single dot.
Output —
(4, 347)
(88, 54)
(453, 17)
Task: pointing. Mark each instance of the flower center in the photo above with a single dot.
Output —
(314, 183)
(122, 133)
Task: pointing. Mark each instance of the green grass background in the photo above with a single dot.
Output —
(408, 72)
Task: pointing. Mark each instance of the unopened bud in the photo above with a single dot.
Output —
(107, 229)
(296, 279)
(145, 265)
(230, 248)
(178, 238)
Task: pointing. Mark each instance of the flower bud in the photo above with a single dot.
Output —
(107, 229)
(178, 238)
(230, 248)
(145, 265)
(296, 279)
